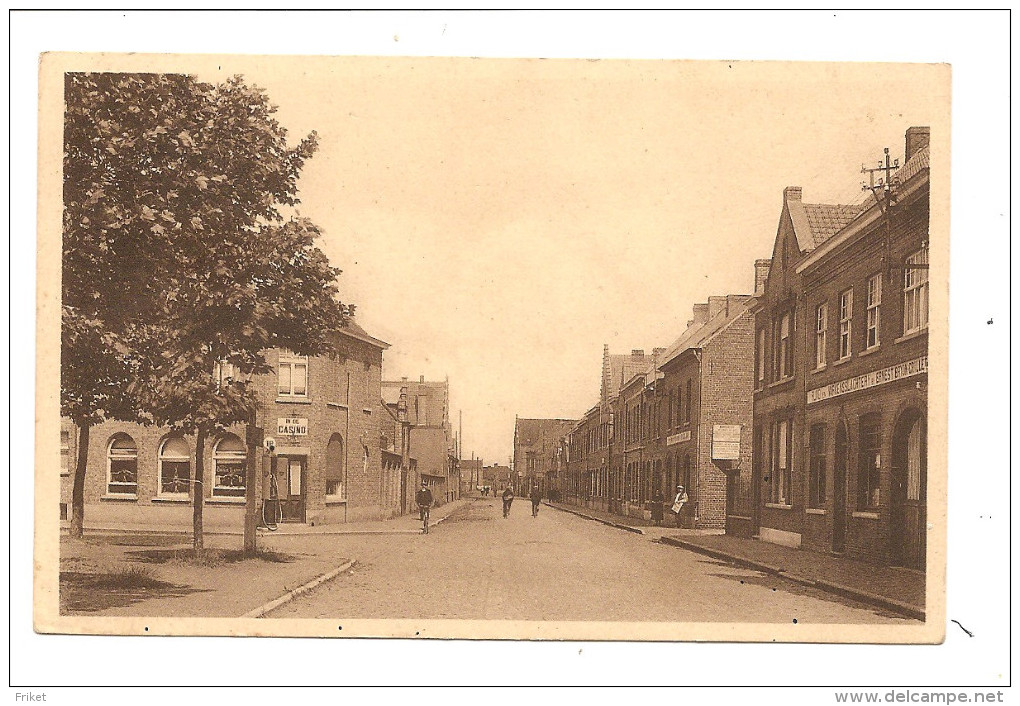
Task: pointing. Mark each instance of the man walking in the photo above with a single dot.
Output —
(508, 499)
(536, 499)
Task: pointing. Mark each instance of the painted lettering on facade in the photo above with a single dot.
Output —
(872, 379)
(678, 438)
(292, 426)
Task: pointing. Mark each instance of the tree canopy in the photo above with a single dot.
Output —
(181, 249)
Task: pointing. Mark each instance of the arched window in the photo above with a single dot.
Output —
(174, 468)
(335, 467)
(229, 468)
(122, 466)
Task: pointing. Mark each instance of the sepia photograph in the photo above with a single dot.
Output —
(493, 348)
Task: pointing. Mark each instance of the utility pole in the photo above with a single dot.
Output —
(885, 192)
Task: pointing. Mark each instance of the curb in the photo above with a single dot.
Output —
(610, 523)
(261, 611)
(907, 609)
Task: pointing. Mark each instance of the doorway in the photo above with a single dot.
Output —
(292, 496)
(907, 542)
(839, 490)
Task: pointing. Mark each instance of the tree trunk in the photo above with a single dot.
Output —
(198, 497)
(78, 488)
(250, 499)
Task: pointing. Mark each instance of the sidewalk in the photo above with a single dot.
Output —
(95, 522)
(133, 570)
(893, 588)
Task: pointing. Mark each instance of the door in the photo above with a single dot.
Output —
(292, 493)
(909, 490)
(839, 491)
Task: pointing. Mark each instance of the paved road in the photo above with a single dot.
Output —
(557, 566)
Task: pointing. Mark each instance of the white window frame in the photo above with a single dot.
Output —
(761, 359)
(65, 452)
(782, 460)
(874, 312)
(784, 342)
(821, 325)
(226, 457)
(846, 316)
(915, 292)
(224, 373)
(291, 363)
(163, 458)
(125, 456)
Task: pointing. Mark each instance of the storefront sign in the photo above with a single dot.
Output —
(873, 379)
(292, 426)
(726, 442)
(678, 438)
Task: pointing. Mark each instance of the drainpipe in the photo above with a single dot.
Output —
(347, 449)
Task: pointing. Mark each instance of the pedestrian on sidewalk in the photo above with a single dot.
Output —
(657, 501)
(508, 499)
(679, 500)
(536, 499)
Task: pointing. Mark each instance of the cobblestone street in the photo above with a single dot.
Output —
(556, 566)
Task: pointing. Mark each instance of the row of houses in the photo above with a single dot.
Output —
(348, 446)
(796, 413)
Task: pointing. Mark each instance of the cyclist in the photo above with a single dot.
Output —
(536, 499)
(508, 499)
(424, 499)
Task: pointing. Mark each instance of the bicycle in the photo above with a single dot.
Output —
(424, 519)
(271, 506)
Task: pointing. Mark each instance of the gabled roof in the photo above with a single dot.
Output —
(697, 335)
(530, 431)
(353, 329)
(621, 369)
(814, 223)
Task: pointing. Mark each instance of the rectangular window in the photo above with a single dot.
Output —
(760, 363)
(65, 452)
(869, 462)
(821, 324)
(292, 376)
(915, 291)
(784, 350)
(782, 449)
(874, 311)
(223, 373)
(687, 409)
(816, 480)
(846, 313)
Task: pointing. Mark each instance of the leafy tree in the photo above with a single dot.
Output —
(177, 255)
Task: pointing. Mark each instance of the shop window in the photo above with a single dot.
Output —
(122, 466)
(846, 313)
(229, 468)
(821, 325)
(782, 450)
(915, 291)
(869, 462)
(174, 468)
(65, 452)
(816, 478)
(874, 311)
(292, 376)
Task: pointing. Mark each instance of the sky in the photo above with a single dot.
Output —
(498, 220)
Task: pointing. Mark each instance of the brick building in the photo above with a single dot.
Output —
(497, 477)
(324, 414)
(536, 447)
(841, 374)
(431, 434)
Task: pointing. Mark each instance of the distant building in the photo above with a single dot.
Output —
(470, 474)
(497, 477)
(431, 433)
(536, 444)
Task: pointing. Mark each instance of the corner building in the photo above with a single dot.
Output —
(840, 407)
(323, 413)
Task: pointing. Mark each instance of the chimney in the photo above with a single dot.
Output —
(761, 274)
(716, 305)
(421, 379)
(657, 352)
(792, 193)
(917, 139)
(700, 313)
(690, 322)
(637, 353)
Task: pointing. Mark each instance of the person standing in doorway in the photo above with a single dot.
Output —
(679, 500)
(536, 499)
